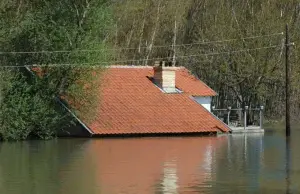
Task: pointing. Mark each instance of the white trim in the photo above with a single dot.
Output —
(73, 114)
(28, 69)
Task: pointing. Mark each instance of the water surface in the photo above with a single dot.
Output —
(226, 164)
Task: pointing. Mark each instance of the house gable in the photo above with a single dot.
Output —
(132, 104)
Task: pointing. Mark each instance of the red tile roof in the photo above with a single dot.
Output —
(131, 104)
(191, 85)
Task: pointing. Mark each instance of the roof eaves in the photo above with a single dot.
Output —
(216, 94)
(229, 129)
(73, 114)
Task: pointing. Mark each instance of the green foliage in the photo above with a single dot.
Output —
(252, 78)
(28, 106)
(27, 110)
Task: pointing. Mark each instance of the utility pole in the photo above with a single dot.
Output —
(287, 83)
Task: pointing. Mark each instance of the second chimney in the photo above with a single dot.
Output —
(164, 76)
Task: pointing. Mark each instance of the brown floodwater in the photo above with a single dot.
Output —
(252, 163)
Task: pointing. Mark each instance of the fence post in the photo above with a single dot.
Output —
(261, 116)
(245, 117)
(228, 114)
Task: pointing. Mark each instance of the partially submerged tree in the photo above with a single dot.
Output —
(61, 36)
(209, 37)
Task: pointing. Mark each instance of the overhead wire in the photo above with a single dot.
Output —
(137, 60)
(135, 48)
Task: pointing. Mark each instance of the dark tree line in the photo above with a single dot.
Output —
(242, 77)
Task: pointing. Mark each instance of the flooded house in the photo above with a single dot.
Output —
(149, 101)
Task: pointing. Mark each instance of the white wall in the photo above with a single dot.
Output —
(204, 101)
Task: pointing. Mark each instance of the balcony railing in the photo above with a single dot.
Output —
(237, 117)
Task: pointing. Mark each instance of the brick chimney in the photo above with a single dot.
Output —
(164, 76)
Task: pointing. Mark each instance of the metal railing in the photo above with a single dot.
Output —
(241, 111)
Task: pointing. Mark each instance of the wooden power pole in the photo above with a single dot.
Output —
(287, 83)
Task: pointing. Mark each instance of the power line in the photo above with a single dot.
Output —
(138, 60)
(134, 48)
(238, 51)
(228, 40)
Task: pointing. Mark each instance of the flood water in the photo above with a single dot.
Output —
(225, 164)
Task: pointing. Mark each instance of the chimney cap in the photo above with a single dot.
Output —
(156, 63)
(164, 64)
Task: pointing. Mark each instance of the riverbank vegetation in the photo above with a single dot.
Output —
(237, 47)
(28, 96)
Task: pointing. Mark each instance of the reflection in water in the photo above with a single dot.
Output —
(239, 169)
(34, 167)
(154, 165)
(169, 184)
(288, 161)
(226, 164)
